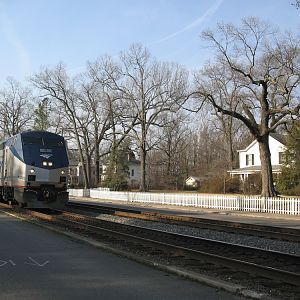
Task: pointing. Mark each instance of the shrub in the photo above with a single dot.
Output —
(233, 185)
(213, 185)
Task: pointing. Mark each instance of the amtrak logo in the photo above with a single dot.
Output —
(47, 156)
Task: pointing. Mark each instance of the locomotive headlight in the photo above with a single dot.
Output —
(44, 163)
(62, 172)
(50, 164)
(32, 171)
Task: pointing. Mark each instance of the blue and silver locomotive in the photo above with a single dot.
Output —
(34, 170)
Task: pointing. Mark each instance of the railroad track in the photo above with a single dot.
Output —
(271, 232)
(274, 271)
(273, 265)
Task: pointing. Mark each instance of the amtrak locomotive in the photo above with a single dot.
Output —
(34, 170)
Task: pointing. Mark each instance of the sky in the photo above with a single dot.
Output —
(35, 33)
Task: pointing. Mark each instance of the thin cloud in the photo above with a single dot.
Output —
(7, 28)
(205, 17)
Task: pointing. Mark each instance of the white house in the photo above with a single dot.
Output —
(249, 158)
(193, 182)
(134, 167)
(76, 176)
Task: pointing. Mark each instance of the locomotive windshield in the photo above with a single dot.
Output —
(53, 143)
(44, 150)
(28, 140)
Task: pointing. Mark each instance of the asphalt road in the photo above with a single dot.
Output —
(36, 263)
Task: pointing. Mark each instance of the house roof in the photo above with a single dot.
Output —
(281, 138)
(253, 169)
(193, 177)
(134, 161)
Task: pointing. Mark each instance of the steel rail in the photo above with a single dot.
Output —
(287, 234)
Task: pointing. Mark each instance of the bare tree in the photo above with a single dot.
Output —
(296, 3)
(206, 151)
(149, 88)
(267, 67)
(227, 90)
(59, 123)
(15, 108)
(112, 121)
(175, 141)
(99, 102)
(57, 85)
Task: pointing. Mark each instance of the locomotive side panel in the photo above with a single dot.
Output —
(18, 166)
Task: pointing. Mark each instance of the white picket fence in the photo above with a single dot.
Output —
(79, 192)
(277, 205)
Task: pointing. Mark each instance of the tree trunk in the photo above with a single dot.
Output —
(97, 165)
(268, 189)
(97, 175)
(89, 169)
(230, 150)
(85, 174)
(143, 168)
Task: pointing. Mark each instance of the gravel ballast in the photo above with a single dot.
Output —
(239, 239)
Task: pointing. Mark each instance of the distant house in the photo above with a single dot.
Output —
(134, 166)
(75, 172)
(192, 182)
(249, 158)
(76, 177)
(134, 170)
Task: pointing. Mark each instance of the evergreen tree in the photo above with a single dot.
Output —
(117, 171)
(41, 119)
(289, 181)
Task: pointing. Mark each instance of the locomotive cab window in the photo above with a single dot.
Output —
(53, 143)
(47, 143)
(28, 140)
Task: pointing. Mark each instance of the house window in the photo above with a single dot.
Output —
(282, 157)
(132, 172)
(72, 171)
(249, 159)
